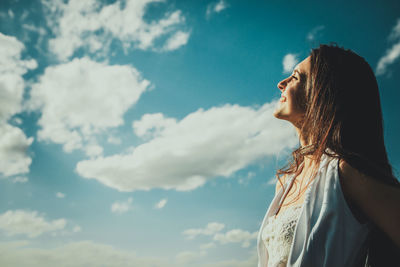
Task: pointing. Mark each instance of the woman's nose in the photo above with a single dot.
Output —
(282, 85)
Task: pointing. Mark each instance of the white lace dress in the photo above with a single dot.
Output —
(277, 235)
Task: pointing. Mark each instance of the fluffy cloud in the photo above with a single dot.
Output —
(152, 125)
(161, 203)
(13, 151)
(216, 7)
(121, 207)
(93, 25)
(272, 181)
(207, 246)
(289, 62)
(15, 222)
(245, 180)
(395, 32)
(77, 254)
(60, 195)
(39, 30)
(211, 229)
(189, 257)
(89, 253)
(13, 142)
(214, 229)
(177, 40)
(93, 149)
(82, 98)
(313, 34)
(203, 145)
(20, 179)
(236, 236)
(114, 140)
(11, 61)
(12, 67)
(393, 53)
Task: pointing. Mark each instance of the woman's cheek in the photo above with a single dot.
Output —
(299, 100)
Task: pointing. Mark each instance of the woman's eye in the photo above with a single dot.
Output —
(294, 77)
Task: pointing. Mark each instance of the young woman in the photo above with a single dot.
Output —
(337, 203)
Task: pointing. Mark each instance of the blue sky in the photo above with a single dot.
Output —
(140, 133)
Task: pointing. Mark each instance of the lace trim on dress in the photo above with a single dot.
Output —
(278, 235)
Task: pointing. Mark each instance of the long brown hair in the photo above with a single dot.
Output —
(343, 119)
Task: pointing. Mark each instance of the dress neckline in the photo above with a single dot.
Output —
(290, 208)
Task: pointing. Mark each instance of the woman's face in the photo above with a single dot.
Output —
(291, 106)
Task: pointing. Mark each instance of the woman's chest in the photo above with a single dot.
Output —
(295, 195)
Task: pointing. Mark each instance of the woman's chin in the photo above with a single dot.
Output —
(282, 116)
(276, 115)
(279, 114)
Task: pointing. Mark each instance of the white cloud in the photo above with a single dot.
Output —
(16, 222)
(161, 203)
(216, 7)
(152, 125)
(121, 207)
(395, 32)
(211, 229)
(313, 34)
(24, 15)
(208, 245)
(17, 121)
(221, 5)
(187, 257)
(203, 145)
(13, 142)
(60, 195)
(93, 150)
(289, 62)
(93, 25)
(114, 140)
(393, 53)
(10, 13)
(13, 151)
(10, 61)
(272, 181)
(82, 98)
(245, 180)
(236, 236)
(177, 40)
(39, 30)
(89, 253)
(214, 229)
(77, 254)
(12, 67)
(77, 229)
(19, 179)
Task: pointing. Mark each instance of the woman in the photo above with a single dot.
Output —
(337, 203)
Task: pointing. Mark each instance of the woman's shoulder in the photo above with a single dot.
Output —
(347, 175)
(345, 167)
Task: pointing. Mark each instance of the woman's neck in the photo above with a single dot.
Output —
(308, 162)
(303, 141)
(308, 159)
